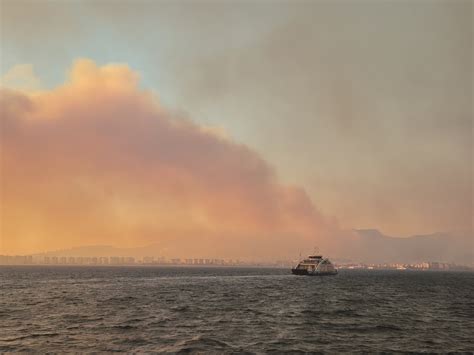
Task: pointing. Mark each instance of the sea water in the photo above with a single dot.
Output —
(224, 309)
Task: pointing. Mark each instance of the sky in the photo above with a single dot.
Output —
(233, 127)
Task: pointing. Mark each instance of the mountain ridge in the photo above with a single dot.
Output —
(360, 247)
(439, 246)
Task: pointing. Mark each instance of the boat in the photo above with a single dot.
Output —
(315, 265)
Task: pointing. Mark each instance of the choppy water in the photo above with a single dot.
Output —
(233, 310)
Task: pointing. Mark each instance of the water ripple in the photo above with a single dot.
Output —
(237, 310)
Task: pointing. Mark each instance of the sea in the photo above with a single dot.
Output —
(233, 310)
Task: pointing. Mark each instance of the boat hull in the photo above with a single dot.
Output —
(316, 273)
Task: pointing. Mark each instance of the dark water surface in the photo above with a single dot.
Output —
(233, 309)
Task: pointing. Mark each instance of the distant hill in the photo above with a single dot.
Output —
(370, 245)
(358, 245)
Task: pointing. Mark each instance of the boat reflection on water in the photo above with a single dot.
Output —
(314, 265)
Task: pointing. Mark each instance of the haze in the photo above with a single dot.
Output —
(249, 129)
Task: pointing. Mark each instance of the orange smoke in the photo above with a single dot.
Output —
(98, 161)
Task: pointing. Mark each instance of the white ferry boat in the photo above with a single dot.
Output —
(314, 265)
